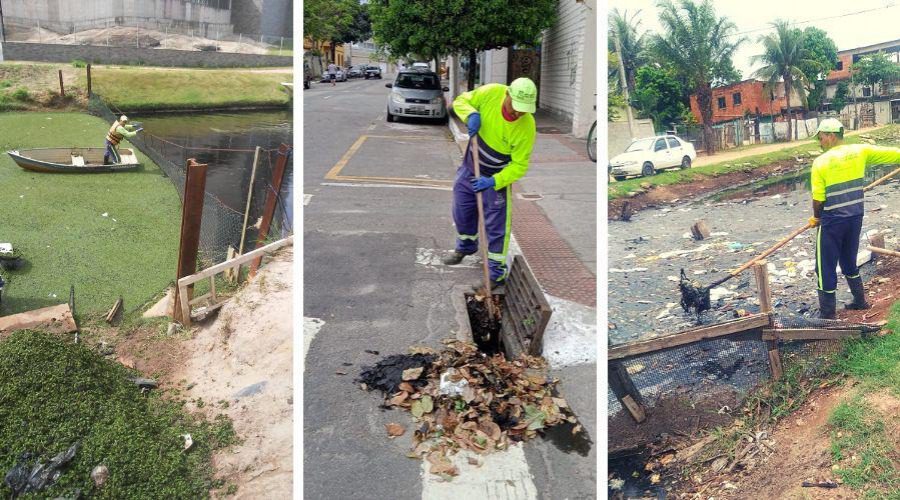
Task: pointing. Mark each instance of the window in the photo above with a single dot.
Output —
(840, 65)
(660, 145)
(721, 103)
(673, 142)
(867, 91)
(736, 98)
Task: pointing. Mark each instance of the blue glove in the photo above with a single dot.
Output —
(473, 123)
(479, 184)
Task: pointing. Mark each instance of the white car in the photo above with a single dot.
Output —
(652, 154)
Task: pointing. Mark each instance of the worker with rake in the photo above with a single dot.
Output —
(117, 131)
(838, 180)
(500, 123)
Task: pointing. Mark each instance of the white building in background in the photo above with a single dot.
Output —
(565, 66)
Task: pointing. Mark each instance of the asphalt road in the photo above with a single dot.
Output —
(376, 218)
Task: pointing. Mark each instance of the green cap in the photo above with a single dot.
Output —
(523, 92)
(830, 125)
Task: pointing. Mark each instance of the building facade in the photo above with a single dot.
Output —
(748, 98)
(867, 106)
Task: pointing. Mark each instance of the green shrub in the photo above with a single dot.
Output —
(78, 63)
(21, 94)
(5, 84)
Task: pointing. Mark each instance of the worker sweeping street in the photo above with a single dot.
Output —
(500, 120)
(838, 180)
(117, 131)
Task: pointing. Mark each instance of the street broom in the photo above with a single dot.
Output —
(696, 297)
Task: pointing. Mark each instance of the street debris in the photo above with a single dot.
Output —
(394, 429)
(463, 399)
(823, 484)
(100, 474)
(26, 478)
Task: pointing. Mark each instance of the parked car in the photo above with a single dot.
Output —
(417, 94)
(421, 65)
(356, 71)
(340, 76)
(372, 72)
(652, 154)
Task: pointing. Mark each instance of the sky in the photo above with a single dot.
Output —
(849, 24)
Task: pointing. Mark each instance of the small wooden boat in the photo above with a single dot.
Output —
(72, 160)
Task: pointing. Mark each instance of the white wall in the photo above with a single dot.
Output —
(562, 70)
(67, 12)
(619, 136)
(494, 65)
(882, 112)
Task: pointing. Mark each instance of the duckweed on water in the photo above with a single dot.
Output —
(54, 393)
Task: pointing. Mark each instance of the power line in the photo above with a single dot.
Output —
(888, 6)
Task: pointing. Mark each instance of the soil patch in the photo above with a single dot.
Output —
(661, 195)
(883, 289)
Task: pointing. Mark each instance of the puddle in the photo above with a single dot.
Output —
(561, 436)
(628, 479)
(785, 184)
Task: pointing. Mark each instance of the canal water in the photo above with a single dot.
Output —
(226, 142)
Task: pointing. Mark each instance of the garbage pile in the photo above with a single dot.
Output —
(462, 399)
(26, 477)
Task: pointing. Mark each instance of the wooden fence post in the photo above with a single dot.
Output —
(271, 199)
(89, 79)
(761, 270)
(62, 91)
(191, 215)
(624, 389)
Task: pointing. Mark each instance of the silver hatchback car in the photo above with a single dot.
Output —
(417, 94)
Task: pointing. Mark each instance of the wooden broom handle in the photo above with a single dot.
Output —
(482, 233)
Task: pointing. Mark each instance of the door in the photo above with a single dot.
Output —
(661, 156)
(675, 150)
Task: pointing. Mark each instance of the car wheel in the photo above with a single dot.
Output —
(390, 117)
(619, 178)
(686, 162)
(647, 170)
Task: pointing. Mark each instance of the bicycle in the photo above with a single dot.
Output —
(592, 143)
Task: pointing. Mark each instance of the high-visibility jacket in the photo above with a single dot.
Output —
(512, 140)
(118, 132)
(838, 176)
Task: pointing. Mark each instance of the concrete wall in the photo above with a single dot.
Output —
(619, 137)
(65, 15)
(16, 51)
(562, 50)
(585, 110)
(494, 65)
(267, 17)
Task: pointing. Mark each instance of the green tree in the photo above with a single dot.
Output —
(326, 20)
(436, 27)
(841, 93)
(875, 69)
(821, 59)
(359, 29)
(658, 96)
(614, 97)
(631, 42)
(699, 46)
(782, 56)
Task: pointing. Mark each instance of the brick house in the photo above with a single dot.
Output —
(874, 106)
(748, 97)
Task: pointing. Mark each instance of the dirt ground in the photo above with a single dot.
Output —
(883, 290)
(237, 364)
(120, 36)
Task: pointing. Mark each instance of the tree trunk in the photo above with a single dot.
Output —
(333, 49)
(704, 102)
(787, 100)
(472, 63)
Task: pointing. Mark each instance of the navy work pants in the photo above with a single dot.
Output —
(837, 242)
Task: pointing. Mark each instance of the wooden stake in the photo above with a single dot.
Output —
(249, 199)
(111, 315)
(191, 216)
(761, 271)
(877, 240)
(89, 79)
(623, 387)
(271, 201)
(62, 91)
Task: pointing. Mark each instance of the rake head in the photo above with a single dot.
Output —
(694, 296)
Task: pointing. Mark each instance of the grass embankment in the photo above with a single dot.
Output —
(143, 89)
(57, 222)
(669, 177)
(30, 86)
(864, 428)
(54, 393)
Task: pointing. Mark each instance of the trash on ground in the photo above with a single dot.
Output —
(25, 478)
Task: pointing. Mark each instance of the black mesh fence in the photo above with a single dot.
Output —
(222, 226)
(700, 384)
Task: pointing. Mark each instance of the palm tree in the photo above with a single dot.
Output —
(699, 46)
(783, 56)
(631, 42)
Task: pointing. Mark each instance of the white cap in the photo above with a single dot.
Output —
(123, 118)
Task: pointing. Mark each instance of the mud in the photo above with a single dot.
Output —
(486, 330)
(387, 374)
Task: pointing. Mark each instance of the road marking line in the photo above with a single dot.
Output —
(502, 475)
(335, 173)
(372, 184)
(311, 327)
(306, 199)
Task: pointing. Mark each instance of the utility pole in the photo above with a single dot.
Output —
(624, 85)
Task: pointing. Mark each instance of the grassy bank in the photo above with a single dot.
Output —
(54, 394)
(141, 88)
(30, 86)
(669, 177)
(109, 235)
(864, 428)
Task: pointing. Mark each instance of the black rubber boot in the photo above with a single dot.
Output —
(827, 304)
(453, 258)
(859, 294)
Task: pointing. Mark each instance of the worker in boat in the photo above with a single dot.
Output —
(499, 118)
(838, 180)
(117, 131)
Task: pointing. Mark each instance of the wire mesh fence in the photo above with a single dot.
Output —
(699, 384)
(222, 226)
(146, 33)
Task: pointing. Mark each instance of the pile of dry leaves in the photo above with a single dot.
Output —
(462, 399)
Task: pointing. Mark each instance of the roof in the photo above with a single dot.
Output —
(893, 44)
